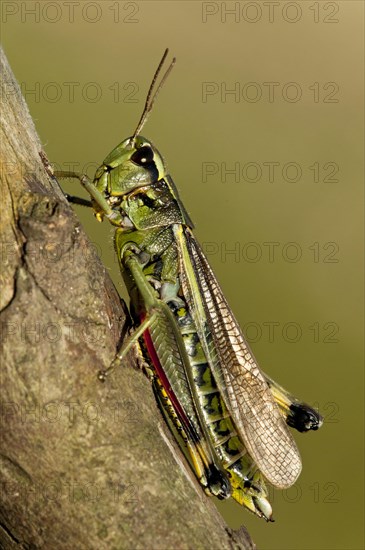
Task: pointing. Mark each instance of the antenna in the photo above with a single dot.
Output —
(151, 97)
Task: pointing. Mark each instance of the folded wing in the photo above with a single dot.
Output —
(243, 386)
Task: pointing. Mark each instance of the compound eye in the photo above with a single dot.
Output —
(143, 156)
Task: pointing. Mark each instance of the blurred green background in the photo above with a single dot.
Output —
(292, 212)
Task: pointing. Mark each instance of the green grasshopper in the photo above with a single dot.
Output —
(232, 417)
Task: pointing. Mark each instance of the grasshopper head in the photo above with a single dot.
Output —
(133, 163)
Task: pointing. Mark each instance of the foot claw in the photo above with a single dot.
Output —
(102, 374)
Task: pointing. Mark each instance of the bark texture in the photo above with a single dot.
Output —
(82, 464)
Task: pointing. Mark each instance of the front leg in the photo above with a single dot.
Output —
(70, 198)
(73, 199)
(103, 207)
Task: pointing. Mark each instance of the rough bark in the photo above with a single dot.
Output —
(82, 464)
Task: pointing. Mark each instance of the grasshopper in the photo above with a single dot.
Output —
(232, 417)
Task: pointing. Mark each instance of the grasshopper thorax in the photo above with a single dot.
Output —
(134, 163)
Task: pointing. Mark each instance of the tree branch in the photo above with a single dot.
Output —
(83, 464)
